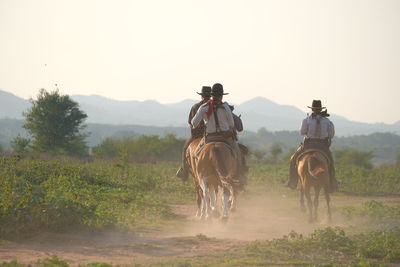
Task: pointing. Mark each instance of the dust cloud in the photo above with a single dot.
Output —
(260, 217)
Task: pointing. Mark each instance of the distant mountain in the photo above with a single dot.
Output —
(12, 106)
(108, 111)
(256, 113)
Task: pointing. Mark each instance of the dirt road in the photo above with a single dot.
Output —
(257, 217)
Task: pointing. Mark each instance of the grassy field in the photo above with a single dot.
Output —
(139, 198)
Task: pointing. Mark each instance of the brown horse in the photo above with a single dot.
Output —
(313, 172)
(191, 159)
(216, 170)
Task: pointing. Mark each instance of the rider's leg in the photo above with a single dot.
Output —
(293, 175)
(183, 172)
(244, 169)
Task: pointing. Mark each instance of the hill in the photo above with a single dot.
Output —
(256, 113)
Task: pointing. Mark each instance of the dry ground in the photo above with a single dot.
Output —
(258, 217)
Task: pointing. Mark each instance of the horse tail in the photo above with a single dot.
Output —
(313, 169)
(220, 166)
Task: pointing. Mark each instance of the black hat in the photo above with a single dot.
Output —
(316, 104)
(217, 90)
(205, 91)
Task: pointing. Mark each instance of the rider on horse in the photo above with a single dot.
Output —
(196, 132)
(220, 123)
(318, 131)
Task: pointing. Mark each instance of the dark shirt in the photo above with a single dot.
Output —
(201, 128)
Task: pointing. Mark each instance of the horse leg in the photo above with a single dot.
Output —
(225, 204)
(232, 202)
(202, 205)
(216, 212)
(328, 206)
(205, 198)
(232, 199)
(302, 206)
(309, 203)
(213, 201)
(316, 202)
(198, 200)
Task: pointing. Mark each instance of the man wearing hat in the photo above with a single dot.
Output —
(220, 124)
(318, 132)
(196, 132)
(216, 115)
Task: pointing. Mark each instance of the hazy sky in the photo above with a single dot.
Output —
(346, 53)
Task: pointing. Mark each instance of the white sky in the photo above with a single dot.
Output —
(344, 52)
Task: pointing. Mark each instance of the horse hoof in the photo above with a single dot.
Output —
(303, 209)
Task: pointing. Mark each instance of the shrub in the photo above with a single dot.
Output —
(56, 195)
(144, 148)
(354, 157)
(380, 245)
(374, 212)
(20, 145)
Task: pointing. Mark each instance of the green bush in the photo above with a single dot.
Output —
(374, 213)
(20, 145)
(144, 148)
(383, 245)
(377, 181)
(353, 157)
(353, 179)
(330, 243)
(53, 194)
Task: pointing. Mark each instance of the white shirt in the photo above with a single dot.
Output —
(224, 114)
(309, 127)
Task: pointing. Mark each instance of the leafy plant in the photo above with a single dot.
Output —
(354, 157)
(55, 122)
(20, 145)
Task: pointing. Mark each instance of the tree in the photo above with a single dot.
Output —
(20, 145)
(276, 150)
(259, 154)
(55, 122)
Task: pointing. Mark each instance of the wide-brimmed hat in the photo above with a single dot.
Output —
(217, 90)
(316, 104)
(205, 91)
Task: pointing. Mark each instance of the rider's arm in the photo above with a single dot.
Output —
(191, 115)
(331, 130)
(198, 117)
(304, 127)
(229, 116)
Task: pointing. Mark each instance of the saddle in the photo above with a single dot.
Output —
(312, 150)
(213, 139)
